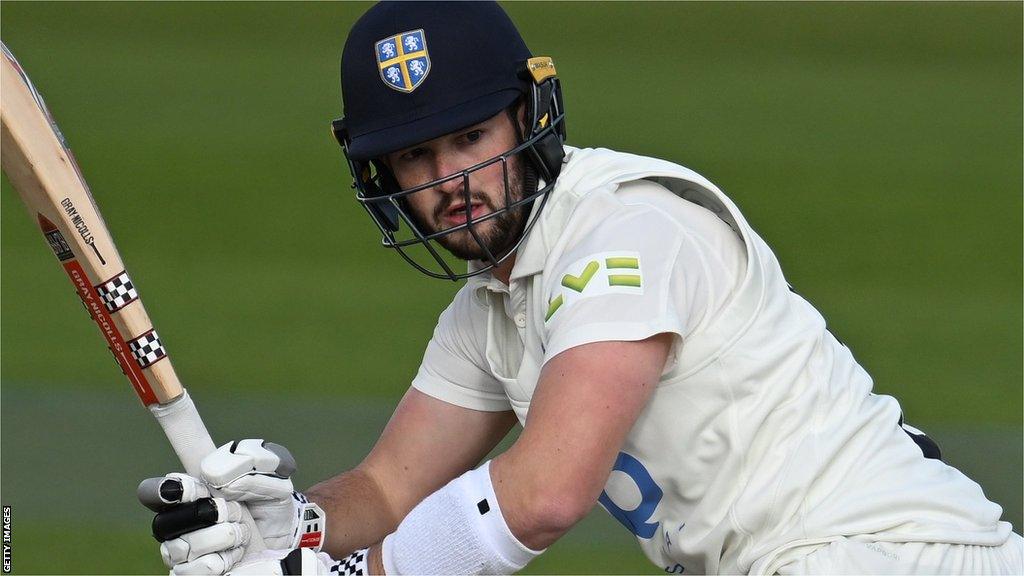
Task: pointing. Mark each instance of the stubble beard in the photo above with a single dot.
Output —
(497, 234)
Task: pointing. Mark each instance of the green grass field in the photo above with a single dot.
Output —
(877, 147)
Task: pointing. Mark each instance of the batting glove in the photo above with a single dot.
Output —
(303, 561)
(198, 521)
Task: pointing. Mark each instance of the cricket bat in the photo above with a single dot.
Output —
(39, 164)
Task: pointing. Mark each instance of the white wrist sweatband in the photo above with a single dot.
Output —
(457, 530)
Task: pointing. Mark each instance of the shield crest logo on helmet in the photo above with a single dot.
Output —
(403, 60)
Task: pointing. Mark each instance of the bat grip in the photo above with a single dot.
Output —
(185, 430)
(191, 442)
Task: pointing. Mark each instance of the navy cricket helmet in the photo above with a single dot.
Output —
(415, 71)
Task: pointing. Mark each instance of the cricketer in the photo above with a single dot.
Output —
(621, 310)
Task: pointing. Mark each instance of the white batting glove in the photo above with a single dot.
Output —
(199, 521)
(303, 561)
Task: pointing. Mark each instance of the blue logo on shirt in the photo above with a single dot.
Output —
(636, 520)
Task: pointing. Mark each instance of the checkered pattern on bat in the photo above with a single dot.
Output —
(147, 349)
(117, 292)
(352, 565)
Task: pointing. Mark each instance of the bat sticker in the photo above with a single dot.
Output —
(55, 239)
(117, 292)
(147, 349)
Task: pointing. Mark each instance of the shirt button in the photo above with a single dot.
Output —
(521, 320)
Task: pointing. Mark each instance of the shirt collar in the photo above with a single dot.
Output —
(529, 256)
(533, 252)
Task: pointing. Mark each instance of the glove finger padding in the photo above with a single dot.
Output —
(184, 518)
(271, 464)
(256, 486)
(227, 534)
(218, 563)
(158, 494)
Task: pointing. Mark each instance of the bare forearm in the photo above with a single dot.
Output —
(358, 511)
(425, 445)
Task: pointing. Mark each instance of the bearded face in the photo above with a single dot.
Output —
(480, 193)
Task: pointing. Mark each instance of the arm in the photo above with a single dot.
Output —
(587, 400)
(426, 443)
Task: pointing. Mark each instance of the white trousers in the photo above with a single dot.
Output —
(857, 556)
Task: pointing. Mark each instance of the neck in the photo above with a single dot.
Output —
(504, 270)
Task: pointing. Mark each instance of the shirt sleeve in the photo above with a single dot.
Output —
(639, 272)
(454, 368)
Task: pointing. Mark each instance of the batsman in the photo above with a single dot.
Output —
(624, 313)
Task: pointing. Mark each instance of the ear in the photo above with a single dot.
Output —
(516, 113)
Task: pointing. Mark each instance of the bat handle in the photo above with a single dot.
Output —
(191, 442)
(185, 430)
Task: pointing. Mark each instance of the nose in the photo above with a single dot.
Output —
(447, 165)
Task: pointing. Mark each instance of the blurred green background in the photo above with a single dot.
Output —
(876, 146)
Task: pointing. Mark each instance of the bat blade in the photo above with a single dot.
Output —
(39, 163)
(43, 171)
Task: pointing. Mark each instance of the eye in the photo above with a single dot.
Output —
(412, 154)
(473, 136)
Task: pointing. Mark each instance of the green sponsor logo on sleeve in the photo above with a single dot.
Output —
(553, 306)
(578, 283)
(629, 278)
(623, 263)
(624, 280)
(633, 263)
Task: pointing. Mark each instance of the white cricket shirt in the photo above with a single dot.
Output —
(762, 439)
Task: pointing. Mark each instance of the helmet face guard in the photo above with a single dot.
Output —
(539, 152)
